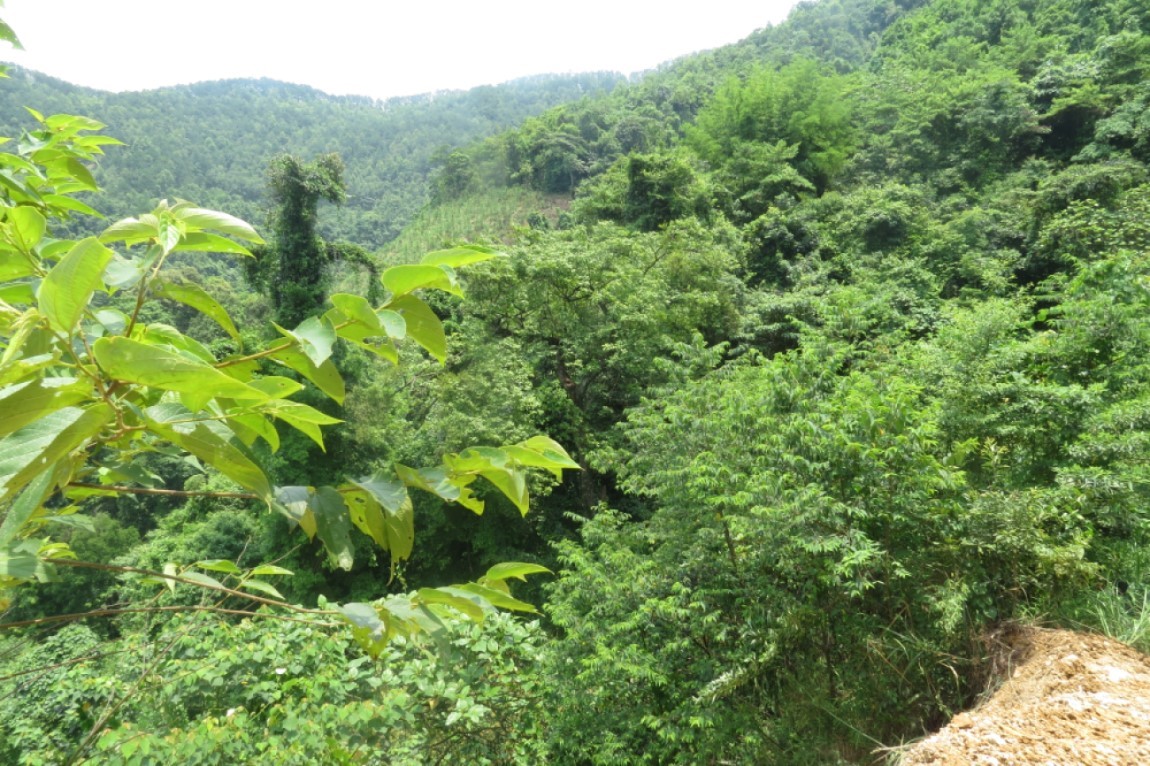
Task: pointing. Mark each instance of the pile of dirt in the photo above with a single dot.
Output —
(1071, 698)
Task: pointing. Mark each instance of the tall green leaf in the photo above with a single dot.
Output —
(65, 292)
(401, 280)
(422, 325)
(385, 514)
(38, 446)
(325, 376)
(160, 367)
(462, 255)
(26, 402)
(333, 525)
(212, 443)
(196, 297)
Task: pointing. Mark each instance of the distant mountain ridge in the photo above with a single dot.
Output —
(210, 142)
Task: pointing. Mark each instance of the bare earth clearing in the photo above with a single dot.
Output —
(1071, 698)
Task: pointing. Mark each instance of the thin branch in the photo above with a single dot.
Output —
(167, 492)
(188, 581)
(153, 609)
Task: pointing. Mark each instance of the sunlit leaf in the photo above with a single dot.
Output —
(264, 570)
(65, 292)
(199, 578)
(315, 336)
(196, 297)
(160, 367)
(210, 243)
(37, 447)
(24, 506)
(261, 587)
(210, 442)
(199, 218)
(325, 376)
(514, 569)
(401, 280)
(26, 402)
(422, 325)
(332, 525)
(460, 256)
(218, 565)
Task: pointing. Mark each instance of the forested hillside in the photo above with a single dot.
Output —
(847, 327)
(212, 142)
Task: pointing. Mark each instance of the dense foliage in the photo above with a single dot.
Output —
(848, 326)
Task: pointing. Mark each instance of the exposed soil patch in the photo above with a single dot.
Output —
(1071, 698)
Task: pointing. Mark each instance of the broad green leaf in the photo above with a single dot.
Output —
(202, 440)
(65, 292)
(332, 525)
(159, 334)
(199, 578)
(24, 506)
(191, 294)
(542, 452)
(514, 569)
(393, 322)
(476, 459)
(453, 489)
(38, 446)
(326, 377)
(401, 280)
(60, 202)
(132, 230)
(74, 520)
(368, 516)
(199, 218)
(218, 565)
(171, 571)
(513, 484)
(83, 176)
(250, 426)
(389, 519)
(370, 340)
(72, 123)
(14, 264)
(26, 402)
(26, 226)
(160, 367)
(22, 562)
(469, 603)
(315, 336)
(264, 570)
(415, 617)
(292, 502)
(422, 325)
(123, 272)
(368, 627)
(18, 162)
(210, 243)
(497, 598)
(21, 369)
(301, 417)
(8, 36)
(275, 386)
(460, 256)
(262, 587)
(357, 309)
(112, 320)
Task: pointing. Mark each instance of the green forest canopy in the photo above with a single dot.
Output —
(846, 325)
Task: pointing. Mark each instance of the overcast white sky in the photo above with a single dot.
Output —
(380, 49)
